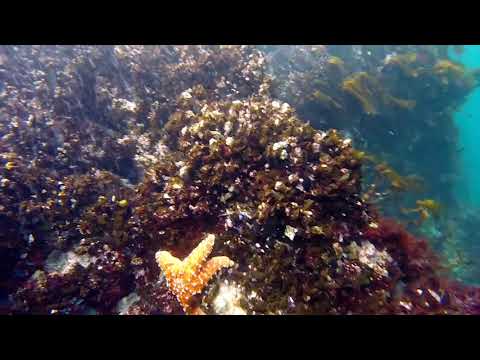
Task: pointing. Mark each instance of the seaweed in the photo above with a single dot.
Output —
(110, 154)
(365, 89)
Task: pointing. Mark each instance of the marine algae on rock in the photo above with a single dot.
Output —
(110, 153)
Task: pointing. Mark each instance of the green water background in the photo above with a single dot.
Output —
(467, 120)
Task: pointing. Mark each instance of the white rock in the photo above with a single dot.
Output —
(186, 94)
(290, 232)
(229, 141)
(124, 303)
(227, 301)
(62, 262)
(279, 145)
(228, 127)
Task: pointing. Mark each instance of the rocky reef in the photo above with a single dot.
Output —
(396, 102)
(111, 155)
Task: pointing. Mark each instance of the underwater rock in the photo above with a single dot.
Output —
(395, 99)
(125, 303)
(228, 300)
(109, 154)
(63, 263)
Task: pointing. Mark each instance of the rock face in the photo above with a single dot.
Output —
(111, 154)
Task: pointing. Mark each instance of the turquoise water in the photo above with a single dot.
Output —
(469, 131)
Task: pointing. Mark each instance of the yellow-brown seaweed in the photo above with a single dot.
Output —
(398, 182)
(363, 88)
(326, 100)
(401, 103)
(425, 208)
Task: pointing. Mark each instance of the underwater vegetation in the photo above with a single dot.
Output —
(397, 102)
(454, 238)
(222, 180)
(425, 209)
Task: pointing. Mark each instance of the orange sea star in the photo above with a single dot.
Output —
(188, 277)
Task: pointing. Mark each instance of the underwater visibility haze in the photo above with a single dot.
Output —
(239, 180)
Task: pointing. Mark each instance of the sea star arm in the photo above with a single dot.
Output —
(214, 265)
(188, 277)
(167, 262)
(198, 256)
